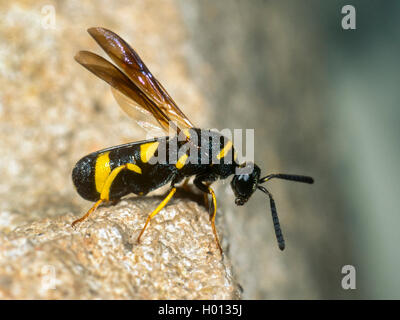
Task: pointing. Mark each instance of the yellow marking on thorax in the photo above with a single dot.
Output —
(181, 161)
(186, 132)
(225, 150)
(102, 170)
(147, 150)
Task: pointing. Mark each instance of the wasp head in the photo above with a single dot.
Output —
(245, 182)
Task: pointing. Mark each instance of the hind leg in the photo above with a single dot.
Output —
(87, 214)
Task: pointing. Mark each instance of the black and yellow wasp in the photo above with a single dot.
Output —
(112, 173)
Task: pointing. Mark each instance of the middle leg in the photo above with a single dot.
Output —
(157, 210)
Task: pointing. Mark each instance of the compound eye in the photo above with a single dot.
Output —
(244, 184)
(244, 177)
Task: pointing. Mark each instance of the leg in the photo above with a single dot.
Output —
(87, 214)
(157, 210)
(208, 190)
(213, 218)
(105, 192)
(203, 183)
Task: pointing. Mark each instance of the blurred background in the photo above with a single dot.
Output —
(323, 102)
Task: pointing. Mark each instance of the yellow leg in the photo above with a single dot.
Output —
(157, 210)
(212, 218)
(91, 210)
(105, 191)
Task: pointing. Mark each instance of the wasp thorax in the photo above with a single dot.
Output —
(244, 184)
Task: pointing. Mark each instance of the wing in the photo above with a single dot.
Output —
(130, 63)
(119, 81)
(143, 117)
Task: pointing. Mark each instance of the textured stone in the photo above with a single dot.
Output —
(177, 257)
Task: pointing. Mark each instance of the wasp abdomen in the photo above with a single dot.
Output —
(83, 178)
(90, 174)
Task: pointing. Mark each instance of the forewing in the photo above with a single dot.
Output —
(119, 81)
(129, 61)
(142, 117)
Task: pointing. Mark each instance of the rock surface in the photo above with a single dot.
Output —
(177, 257)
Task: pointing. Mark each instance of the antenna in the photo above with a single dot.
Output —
(291, 177)
(275, 219)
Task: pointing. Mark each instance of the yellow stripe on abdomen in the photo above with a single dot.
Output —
(105, 192)
(147, 150)
(102, 170)
(133, 167)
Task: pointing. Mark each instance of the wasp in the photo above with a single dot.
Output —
(109, 174)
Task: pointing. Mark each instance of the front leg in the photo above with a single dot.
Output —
(199, 182)
(203, 182)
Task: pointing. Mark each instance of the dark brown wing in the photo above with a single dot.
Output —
(129, 61)
(119, 81)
